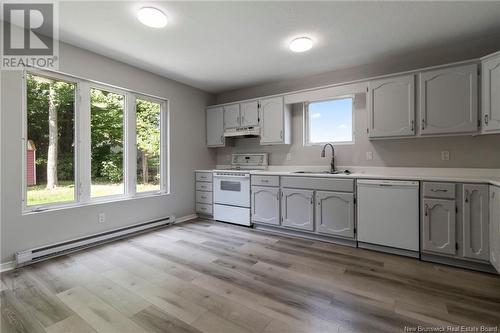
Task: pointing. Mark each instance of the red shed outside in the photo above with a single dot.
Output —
(30, 163)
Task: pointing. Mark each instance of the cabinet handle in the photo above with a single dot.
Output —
(281, 134)
(413, 125)
(423, 123)
(312, 200)
(438, 190)
(221, 138)
(265, 180)
(203, 197)
(466, 196)
(486, 119)
(426, 210)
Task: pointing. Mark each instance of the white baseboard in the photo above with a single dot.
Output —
(10, 265)
(185, 218)
(7, 266)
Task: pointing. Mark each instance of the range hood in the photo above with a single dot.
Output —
(242, 132)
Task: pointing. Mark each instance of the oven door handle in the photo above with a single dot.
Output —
(231, 177)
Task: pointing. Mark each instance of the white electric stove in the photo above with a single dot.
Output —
(232, 188)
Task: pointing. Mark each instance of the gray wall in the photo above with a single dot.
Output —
(188, 152)
(465, 151)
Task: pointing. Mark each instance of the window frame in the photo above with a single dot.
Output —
(24, 140)
(125, 124)
(164, 119)
(82, 132)
(306, 127)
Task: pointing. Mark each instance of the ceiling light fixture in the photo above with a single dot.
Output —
(301, 44)
(152, 17)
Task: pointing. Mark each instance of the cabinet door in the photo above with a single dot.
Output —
(448, 100)
(335, 213)
(249, 114)
(215, 127)
(439, 227)
(491, 95)
(297, 209)
(391, 107)
(272, 120)
(232, 116)
(495, 227)
(266, 205)
(475, 221)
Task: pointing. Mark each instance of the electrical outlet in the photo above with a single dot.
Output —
(369, 155)
(101, 218)
(289, 156)
(445, 155)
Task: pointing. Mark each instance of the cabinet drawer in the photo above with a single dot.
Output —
(203, 186)
(439, 190)
(204, 197)
(325, 184)
(204, 177)
(204, 208)
(266, 180)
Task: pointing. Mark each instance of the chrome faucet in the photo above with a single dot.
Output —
(323, 154)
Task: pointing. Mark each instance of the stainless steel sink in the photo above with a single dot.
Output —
(337, 172)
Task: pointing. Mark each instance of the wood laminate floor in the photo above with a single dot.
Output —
(204, 276)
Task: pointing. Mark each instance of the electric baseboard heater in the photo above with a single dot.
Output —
(31, 256)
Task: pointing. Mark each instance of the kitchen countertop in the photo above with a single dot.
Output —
(466, 175)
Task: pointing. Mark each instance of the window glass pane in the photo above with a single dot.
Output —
(330, 121)
(148, 116)
(50, 151)
(106, 118)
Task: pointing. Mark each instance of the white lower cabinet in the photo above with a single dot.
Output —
(456, 223)
(475, 221)
(439, 226)
(335, 213)
(494, 229)
(266, 205)
(297, 209)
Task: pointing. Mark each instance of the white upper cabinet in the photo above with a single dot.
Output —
(249, 114)
(391, 107)
(275, 121)
(232, 116)
(448, 100)
(491, 94)
(215, 127)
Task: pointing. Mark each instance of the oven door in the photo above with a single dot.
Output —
(232, 190)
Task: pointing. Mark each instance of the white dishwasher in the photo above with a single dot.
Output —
(388, 215)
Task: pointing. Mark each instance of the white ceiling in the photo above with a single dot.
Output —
(219, 46)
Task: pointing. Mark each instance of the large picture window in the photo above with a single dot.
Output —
(50, 140)
(84, 140)
(107, 139)
(148, 140)
(329, 121)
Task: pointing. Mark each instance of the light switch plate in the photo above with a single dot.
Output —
(369, 155)
(445, 155)
(289, 156)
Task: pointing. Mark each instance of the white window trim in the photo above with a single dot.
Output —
(126, 124)
(164, 148)
(305, 121)
(83, 145)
